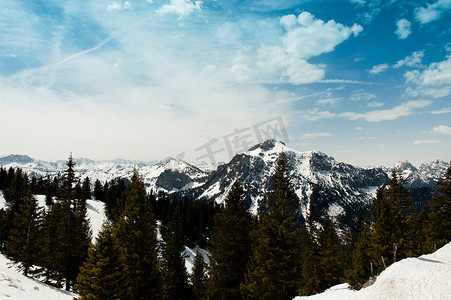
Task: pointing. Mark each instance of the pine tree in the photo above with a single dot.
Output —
(394, 221)
(175, 278)
(274, 268)
(359, 270)
(438, 228)
(103, 276)
(135, 232)
(330, 253)
(86, 188)
(199, 277)
(310, 264)
(22, 245)
(68, 224)
(98, 191)
(230, 247)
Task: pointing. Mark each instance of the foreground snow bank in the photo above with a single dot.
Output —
(15, 286)
(425, 277)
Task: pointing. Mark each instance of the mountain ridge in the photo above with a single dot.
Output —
(338, 189)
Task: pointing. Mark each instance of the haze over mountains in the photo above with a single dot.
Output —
(338, 189)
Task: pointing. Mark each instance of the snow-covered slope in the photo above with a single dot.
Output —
(96, 211)
(425, 277)
(15, 286)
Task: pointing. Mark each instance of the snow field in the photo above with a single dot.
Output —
(425, 277)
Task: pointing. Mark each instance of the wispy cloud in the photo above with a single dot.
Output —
(182, 8)
(432, 12)
(435, 81)
(315, 135)
(413, 60)
(402, 110)
(377, 69)
(117, 6)
(442, 129)
(426, 142)
(403, 29)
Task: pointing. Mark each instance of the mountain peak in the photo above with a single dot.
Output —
(15, 158)
(268, 145)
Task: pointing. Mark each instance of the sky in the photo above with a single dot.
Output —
(367, 82)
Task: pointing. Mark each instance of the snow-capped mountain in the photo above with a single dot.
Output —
(169, 174)
(338, 190)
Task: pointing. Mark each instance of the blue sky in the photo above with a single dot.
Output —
(365, 81)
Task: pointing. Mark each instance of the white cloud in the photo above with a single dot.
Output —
(377, 69)
(183, 8)
(435, 81)
(402, 110)
(328, 101)
(413, 60)
(117, 6)
(360, 95)
(403, 29)
(314, 135)
(432, 12)
(375, 104)
(441, 111)
(305, 37)
(359, 2)
(364, 138)
(359, 128)
(426, 142)
(442, 129)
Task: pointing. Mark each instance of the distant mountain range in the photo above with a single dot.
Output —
(339, 190)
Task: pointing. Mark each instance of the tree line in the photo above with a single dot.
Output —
(251, 257)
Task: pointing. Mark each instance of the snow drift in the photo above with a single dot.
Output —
(424, 277)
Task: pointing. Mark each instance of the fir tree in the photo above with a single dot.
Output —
(230, 247)
(136, 234)
(394, 221)
(22, 245)
(199, 277)
(175, 278)
(103, 276)
(98, 191)
(273, 270)
(438, 228)
(86, 188)
(310, 265)
(330, 253)
(359, 269)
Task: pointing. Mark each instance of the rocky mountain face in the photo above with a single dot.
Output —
(339, 190)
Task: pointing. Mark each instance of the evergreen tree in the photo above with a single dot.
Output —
(394, 221)
(98, 191)
(22, 245)
(274, 269)
(330, 253)
(68, 224)
(175, 278)
(359, 270)
(310, 265)
(230, 247)
(136, 234)
(438, 228)
(86, 188)
(199, 277)
(103, 276)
